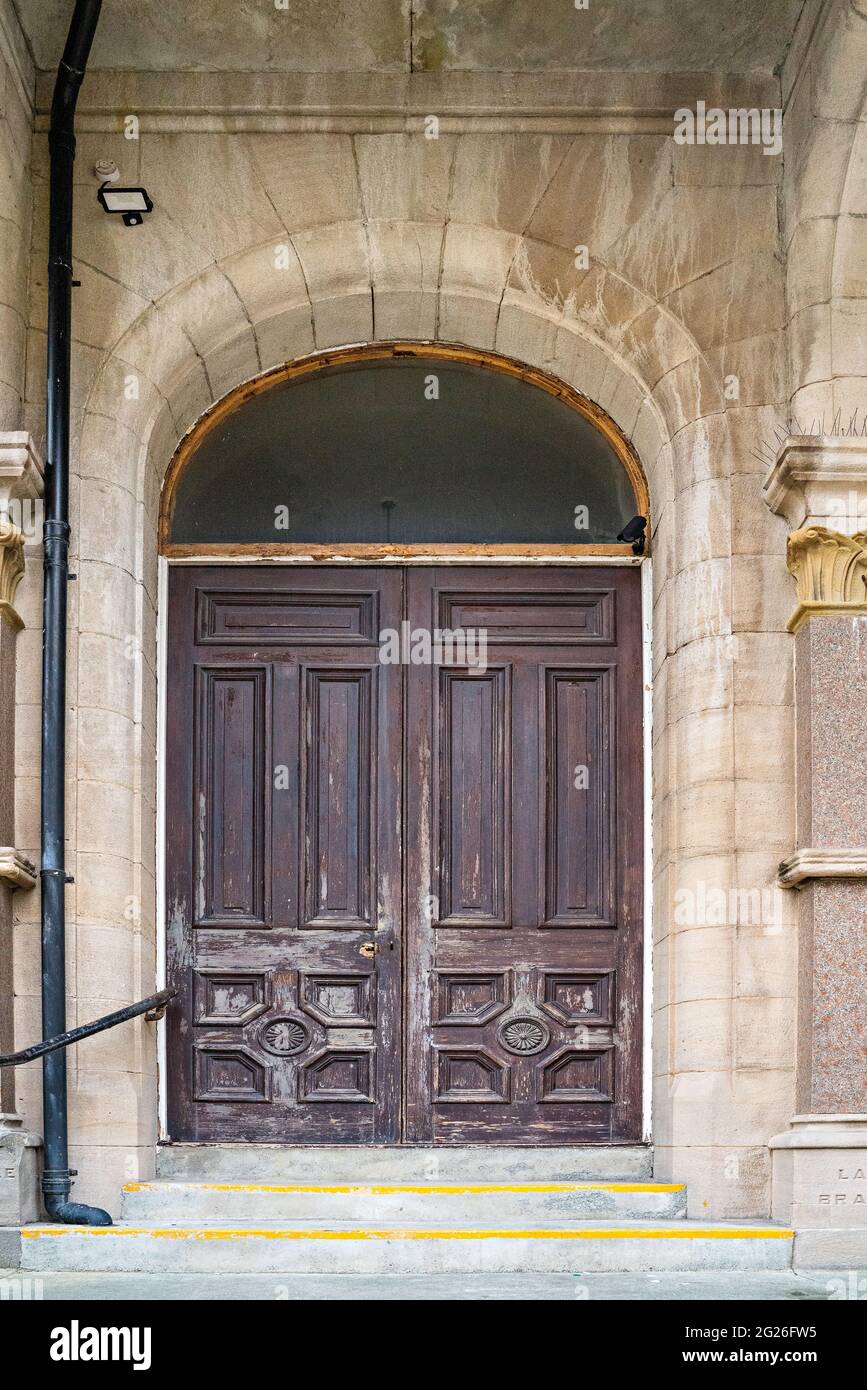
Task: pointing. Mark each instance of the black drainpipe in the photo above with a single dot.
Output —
(57, 1177)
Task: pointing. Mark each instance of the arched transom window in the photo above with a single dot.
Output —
(405, 446)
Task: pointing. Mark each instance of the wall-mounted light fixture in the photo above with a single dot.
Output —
(130, 203)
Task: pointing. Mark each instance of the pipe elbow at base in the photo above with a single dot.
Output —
(77, 1214)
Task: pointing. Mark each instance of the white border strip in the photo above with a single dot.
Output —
(375, 561)
(161, 923)
(647, 977)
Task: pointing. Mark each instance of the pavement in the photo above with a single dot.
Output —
(772, 1286)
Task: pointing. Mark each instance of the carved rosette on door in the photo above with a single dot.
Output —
(544, 1036)
(303, 1036)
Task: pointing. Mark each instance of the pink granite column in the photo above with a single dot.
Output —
(820, 1162)
(831, 696)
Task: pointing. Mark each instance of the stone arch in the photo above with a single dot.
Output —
(345, 283)
(482, 288)
(487, 290)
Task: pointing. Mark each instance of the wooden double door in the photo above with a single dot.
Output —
(404, 897)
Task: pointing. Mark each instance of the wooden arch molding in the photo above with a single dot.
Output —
(316, 362)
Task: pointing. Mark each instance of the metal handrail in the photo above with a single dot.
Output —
(153, 1008)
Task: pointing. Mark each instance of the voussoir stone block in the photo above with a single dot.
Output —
(311, 179)
(405, 177)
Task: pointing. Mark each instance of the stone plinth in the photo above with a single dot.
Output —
(820, 1188)
(19, 1172)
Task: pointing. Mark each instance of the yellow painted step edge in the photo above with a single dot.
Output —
(385, 1189)
(584, 1233)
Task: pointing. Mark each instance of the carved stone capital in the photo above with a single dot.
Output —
(820, 482)
(15, 869)
(11, 570)
(831, 572)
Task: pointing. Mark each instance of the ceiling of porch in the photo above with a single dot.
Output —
(727, 36)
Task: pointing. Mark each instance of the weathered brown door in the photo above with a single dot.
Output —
(524, 860)
(283, 855)
(298, 763)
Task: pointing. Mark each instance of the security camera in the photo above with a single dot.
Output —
(634, 531)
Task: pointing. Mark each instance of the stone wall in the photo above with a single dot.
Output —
(823, 211)
(266, 244)
(16, 119)
(15, 210)
(18, 469)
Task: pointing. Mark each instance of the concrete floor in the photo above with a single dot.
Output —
(767, 1287)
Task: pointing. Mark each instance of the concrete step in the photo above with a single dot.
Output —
(314, 1248)
(167, 1203)
(333, 1165)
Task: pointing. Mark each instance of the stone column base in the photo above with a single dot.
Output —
(820, 1189)
(19, 1173)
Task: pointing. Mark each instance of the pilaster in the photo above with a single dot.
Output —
(820, 1163)
(20, 522)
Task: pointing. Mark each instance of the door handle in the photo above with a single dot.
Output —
(368, 949)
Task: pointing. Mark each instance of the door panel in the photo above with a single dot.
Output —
(337, 762)
(283, 749)
(474, 809)
(295, 760)
(578, 835)
(524, 860)
(232, 794)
